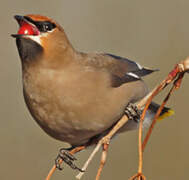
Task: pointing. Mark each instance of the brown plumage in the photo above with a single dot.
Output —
(74, 96)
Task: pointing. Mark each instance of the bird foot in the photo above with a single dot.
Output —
(132, 112)
(68, 158)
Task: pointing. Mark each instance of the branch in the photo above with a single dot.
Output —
(106, 139)
(179, 72)
(180, 68)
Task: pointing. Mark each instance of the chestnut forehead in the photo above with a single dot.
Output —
(39, 18)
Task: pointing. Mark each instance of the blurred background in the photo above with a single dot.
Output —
(153, 33)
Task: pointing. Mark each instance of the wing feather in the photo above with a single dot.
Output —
(129, 71)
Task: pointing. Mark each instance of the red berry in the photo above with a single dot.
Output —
(28, 29)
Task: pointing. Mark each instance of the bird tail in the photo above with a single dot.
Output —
(166, 112)
(150, 113)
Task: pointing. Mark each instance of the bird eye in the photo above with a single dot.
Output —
(45, 26)
(48, 27)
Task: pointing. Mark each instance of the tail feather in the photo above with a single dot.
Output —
(166, 112)
(131, 125)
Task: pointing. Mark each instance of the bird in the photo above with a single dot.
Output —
(72, 95)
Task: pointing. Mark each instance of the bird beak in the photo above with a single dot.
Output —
(19, 19)
(27, 27)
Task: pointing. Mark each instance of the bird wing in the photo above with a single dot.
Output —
(127, 71)
(122, 70)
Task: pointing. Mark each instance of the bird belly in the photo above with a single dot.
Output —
(73, 110)
(73, 120)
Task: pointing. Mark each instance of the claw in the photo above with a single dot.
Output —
(68, 158)
(65, 152)
(57, 163)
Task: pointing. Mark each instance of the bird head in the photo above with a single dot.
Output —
(40, 35)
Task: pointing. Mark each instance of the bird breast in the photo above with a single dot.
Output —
(74, 104)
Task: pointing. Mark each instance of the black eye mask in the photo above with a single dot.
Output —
(43, 26)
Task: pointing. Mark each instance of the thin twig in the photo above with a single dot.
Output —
(179, 70)
(181, 67)
(107, 138)
(79, 176)
(103, 160)
(175, 86)
(119, 124)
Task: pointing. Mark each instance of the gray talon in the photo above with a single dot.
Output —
(68, 158)
(64, 152)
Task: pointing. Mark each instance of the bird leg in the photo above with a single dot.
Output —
(66, 156)
(132, 112)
